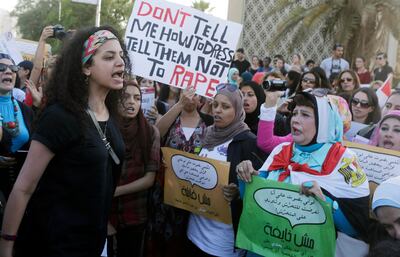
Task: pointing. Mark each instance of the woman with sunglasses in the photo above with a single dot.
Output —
(229, 139)
(347, 82)
(392, 104)
(309, 79)
(15, 126)
(317, 132)
(364, 106)
(60, 202)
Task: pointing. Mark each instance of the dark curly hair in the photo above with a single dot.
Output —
(67, 83)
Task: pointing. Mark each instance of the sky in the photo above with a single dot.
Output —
(8, 5)
(220, 6)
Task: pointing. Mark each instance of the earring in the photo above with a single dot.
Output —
(86, 80)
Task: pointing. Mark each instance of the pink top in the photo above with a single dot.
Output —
(266, 140)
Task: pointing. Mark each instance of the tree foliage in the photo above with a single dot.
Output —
(361, 26)
(34, 15)
(202, 6)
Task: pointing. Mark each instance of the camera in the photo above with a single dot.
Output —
(274, 85)
(59, 32)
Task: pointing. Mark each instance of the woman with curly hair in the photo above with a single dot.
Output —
(60, 202)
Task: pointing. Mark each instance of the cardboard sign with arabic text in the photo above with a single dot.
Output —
(277, 221)
(195, 183)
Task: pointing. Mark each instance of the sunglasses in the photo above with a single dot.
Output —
(363, 104)
(230, 87)
(13, 68)
(306, 80)
(346, 79)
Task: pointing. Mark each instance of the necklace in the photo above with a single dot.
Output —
(13, 126)
(105, 128)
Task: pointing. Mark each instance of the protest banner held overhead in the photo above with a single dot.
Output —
(180, 46)
(277, 221)
(195, 183)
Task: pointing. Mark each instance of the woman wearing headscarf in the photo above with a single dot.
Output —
(331, 171)
(233, 76)
(387, 132)
(267, 139)
(386, 206)
(229, 139)
(254, 97)
(129, 212)
(183, 128)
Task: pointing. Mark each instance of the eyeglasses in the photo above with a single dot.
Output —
(346, 79)
(363, 104)
(13, 68)
(306, 80)
(230, 87)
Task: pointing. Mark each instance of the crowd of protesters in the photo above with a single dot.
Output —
(80, 161)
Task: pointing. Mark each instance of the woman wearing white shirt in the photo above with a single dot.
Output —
(229, 139)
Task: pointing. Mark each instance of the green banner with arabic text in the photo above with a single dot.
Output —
(277, 221)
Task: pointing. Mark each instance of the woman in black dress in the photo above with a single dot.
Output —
(61, 200)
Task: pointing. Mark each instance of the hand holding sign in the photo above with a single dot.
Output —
(197, 184)
(311, 188)
(186, 96)
(278, 221)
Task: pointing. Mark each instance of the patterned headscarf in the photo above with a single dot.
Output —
(329, 124)
(375, 135)
(94, 42)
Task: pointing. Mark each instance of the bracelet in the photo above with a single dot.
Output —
(9, 237)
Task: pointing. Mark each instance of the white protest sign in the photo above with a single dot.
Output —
(180, 46)
(8, 46)
(297, 209)
(148, 99)
(379, 164)
(194, 171)
(354, 128)
(94, 2)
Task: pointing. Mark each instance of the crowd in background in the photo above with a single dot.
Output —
(94, 166)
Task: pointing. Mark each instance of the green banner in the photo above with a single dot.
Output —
(278, 221)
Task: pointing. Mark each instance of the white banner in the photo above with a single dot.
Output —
(180, 46)
(8, 46)
(94, 2)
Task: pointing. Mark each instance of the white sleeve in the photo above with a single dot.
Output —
(267, 114)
